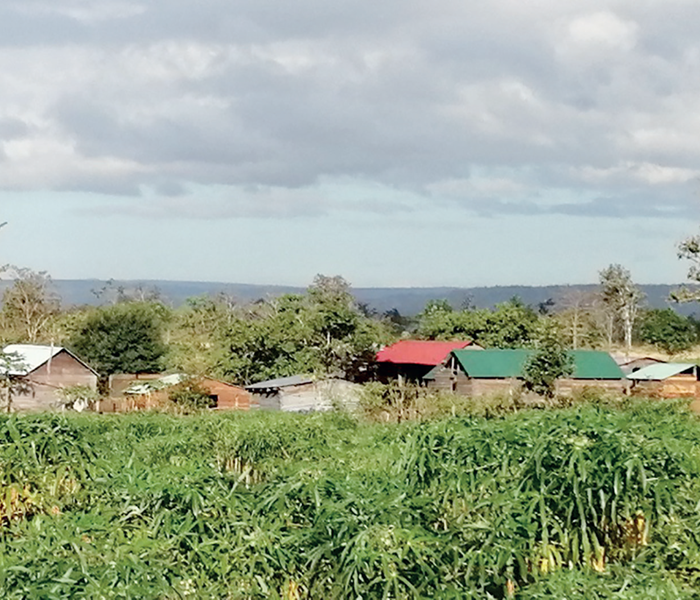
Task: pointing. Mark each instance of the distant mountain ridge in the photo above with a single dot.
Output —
(408, 301)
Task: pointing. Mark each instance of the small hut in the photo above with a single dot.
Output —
(666, 380)
(630, 365)
(303, 393)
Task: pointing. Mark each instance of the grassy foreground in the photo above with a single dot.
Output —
(585, 502)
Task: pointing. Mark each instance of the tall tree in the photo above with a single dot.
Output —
(550, 361)
(322, 331)
(576, 317)
(689, 249)
(123, 338)
(29, 304)
(622, 298)
(194, 331)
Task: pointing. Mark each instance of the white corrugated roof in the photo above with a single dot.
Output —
(32, 356)
(660, 371)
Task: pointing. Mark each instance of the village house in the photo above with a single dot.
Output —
(44, 371)
(411, 360)
(493, 371)
(303, 393)
(666, 380)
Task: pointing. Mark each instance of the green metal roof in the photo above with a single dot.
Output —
(660, 371)
(504, 364)
(593, 364)
(492, 364)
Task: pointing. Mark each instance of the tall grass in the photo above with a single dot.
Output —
(596, 500)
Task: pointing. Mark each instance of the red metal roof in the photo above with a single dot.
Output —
(418, 352)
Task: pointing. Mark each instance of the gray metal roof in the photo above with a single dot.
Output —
(660, 371)
(281, 382)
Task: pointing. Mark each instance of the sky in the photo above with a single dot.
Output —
(396, 143)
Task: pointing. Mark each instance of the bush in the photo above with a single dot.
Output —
(191, 395)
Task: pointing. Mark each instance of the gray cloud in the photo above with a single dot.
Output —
(594, 99)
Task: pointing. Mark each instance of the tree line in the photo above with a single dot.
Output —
(324, 330)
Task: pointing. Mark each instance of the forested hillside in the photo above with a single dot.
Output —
(407, 301)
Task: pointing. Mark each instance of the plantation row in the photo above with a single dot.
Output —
(593, 501)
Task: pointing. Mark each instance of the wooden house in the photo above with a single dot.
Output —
(44, 370)
(411, 360)
(495, 371)
(303, 393)
(666, 380)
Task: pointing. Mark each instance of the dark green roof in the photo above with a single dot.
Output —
(592, 364)
(504, 364)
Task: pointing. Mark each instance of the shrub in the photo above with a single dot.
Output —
(191, 395)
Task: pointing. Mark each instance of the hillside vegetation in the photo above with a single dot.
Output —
(593, 501)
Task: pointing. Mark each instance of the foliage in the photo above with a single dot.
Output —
(510, 324)
(195, 330)
(123, 338)
(667, 330)
(689, 249)
(322, 331)
(29, 305)
(77, 397)
(191, 395)
(11, 364)
(549, 362)
(587, 502)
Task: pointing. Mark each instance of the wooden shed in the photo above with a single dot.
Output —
(303, 393)
(495, 371)
(142, 392)
(45, 370)
(630, 365)
(666, 380)
(411, 360)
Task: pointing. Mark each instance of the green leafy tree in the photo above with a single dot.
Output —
(511, 324)
(667, 330)
(195, 330)
(123, 338)
(322, 331)
(550, 361)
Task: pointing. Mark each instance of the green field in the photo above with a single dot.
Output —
(584, 502)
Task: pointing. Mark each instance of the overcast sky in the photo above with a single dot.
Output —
(397, 143)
